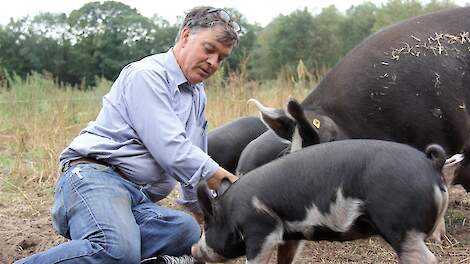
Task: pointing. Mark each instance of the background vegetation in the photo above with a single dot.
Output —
(98, 39)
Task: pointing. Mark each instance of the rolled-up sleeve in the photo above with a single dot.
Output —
(151, 111)
(188, 198)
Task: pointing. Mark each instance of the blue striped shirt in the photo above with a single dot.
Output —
(152, 127)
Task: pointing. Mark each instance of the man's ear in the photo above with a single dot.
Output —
(184, 35)
(276, 119)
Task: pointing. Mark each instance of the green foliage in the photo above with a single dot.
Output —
(435, 5)
(285, 41)
(397, 10)
(107, 34)
(247, 42)
(357, 25)
(100, 38)
(96, 40)
(326, 42)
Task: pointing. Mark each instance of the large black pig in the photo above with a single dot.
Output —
(408, 83)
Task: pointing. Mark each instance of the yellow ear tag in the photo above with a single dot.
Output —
(316, 123)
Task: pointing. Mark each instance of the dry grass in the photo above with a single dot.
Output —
(38, 119)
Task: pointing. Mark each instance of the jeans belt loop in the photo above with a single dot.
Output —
(85, 160)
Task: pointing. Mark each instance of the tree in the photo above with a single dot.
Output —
(106, 34)
(161, 39)
(34, 44)
(283, 42)
(326, 43)
(98, 39)
(245, 47)
(397, 10)
(435, 5)
(357, 25)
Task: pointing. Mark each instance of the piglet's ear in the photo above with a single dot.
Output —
(309, 135)
(276, 119)
(204, 198)
(224, 185)
(295, 109)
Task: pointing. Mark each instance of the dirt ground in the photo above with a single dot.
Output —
(26, 229)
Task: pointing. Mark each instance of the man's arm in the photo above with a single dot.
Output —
(150, 110)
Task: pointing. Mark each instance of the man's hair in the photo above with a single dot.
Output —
(205, 17)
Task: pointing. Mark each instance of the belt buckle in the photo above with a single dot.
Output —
(65, 166)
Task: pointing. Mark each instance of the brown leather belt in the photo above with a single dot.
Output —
(87, 160)
(95, 161)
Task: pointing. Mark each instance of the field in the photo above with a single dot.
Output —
(38, 119)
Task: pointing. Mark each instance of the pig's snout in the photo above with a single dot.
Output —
(200, 254)
(196, 252)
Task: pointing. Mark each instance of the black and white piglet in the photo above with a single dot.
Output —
(335, 191)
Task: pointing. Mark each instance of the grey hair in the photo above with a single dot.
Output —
(198, 19)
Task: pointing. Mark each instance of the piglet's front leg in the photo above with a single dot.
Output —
(259, 251)
(262, 258)
(287, 251)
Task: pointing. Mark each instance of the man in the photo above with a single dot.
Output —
(150, 133)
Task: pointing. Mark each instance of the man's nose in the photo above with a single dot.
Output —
(213, 60)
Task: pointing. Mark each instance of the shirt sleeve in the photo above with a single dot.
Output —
(188, 198)
(149, 103)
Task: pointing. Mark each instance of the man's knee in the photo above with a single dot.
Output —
(166, 231)
(122, 249)
(191, 227)
(190, 232)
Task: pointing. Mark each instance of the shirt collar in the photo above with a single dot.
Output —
(173, 68)
(175, 71)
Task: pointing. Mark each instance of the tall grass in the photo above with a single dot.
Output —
(38, 119)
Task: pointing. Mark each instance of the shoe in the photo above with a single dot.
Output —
(165, 259)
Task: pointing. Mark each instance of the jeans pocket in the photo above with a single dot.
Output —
(59, 214)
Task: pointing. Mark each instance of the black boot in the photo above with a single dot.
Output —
(165, 259)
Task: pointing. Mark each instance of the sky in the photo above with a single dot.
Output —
(256, 11)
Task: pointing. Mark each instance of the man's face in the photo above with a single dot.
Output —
(201, 53)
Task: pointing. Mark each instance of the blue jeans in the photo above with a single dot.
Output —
(111, 220)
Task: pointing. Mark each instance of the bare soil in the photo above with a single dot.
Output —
(26, 229)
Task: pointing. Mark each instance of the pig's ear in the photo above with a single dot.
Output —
(308, 134)
(204, 198)
(295, 109)
(224, 185)
(277, 120)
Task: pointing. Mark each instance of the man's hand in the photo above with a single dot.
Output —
(214, 181)
(199, 217)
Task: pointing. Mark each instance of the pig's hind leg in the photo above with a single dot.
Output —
(414, 250)
(404, 237)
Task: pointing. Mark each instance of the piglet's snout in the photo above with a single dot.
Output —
(200, 253)
(196, 252)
